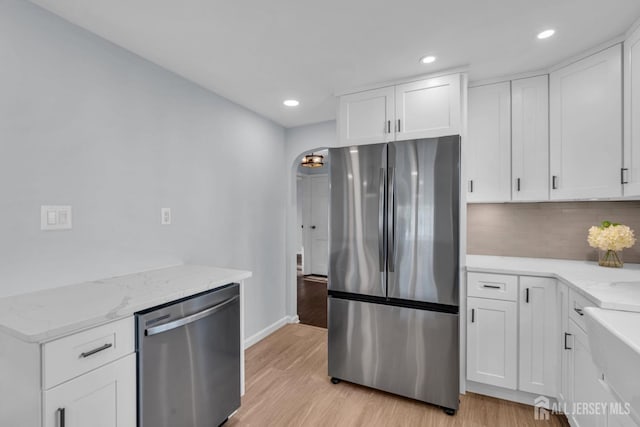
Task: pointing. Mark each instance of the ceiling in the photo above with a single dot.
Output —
(258, 53)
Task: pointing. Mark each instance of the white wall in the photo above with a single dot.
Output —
(86, 123)
(299, 141)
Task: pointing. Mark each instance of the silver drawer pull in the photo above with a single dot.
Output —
(491, 286)
(96, 350)
(579, 311)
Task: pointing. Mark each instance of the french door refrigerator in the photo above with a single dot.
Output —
(394, 268)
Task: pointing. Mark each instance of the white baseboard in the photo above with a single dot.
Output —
(503, 393)
(260, 335)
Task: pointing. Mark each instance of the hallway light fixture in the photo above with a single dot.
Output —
(313, 161)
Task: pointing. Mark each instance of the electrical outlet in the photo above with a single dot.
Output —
(55, 218)
(165, 216)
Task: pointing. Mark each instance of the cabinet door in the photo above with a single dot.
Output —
(584, 382)
(105, 397)
(563, 340)
(620, 420)
(530, 139)
(492, 342)
(366, 117)
(428, 108)
(488, 147)
(586, 127)
(538, 335)
(632, 115)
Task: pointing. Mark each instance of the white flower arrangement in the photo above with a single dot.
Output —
(611, 236)
(611, 239)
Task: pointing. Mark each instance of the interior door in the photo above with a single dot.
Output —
(356, 212)
(319, 225)
(422, 220)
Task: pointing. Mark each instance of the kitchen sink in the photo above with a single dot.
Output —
(614, 339)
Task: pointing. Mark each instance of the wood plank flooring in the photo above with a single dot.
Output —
(287, 385)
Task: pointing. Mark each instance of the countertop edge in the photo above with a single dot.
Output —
(54, 334)
(597, 298)
(597, 301)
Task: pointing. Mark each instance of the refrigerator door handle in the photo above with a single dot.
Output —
(391, 221)
(381, 219)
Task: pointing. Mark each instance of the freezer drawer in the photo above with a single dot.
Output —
(409, 352)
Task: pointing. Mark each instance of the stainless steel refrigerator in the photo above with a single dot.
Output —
(394, 268)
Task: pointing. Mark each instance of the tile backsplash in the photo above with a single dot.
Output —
(546, 230)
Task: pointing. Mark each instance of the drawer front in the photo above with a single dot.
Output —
(68, 357)
(577, 303)
(494, 286)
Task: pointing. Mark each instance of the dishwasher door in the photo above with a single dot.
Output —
(189, 360)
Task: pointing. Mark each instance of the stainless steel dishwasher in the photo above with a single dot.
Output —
(189, 360)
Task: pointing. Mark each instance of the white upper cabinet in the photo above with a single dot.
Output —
(421, 109)
(428, 108)
(488, 146)
(631, 174)
(586, 127)
(367, 117)
(530, 139)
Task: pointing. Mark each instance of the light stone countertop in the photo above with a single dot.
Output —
(608, 288)
(45, 315)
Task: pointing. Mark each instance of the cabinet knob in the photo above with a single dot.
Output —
(313, 227)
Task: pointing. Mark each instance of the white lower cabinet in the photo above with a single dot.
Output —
(527, 335)
(563, 379)
(511, 333)
(105, 397)
(620, 420)
(538, 325)
(86, 379)
(492, 339)
(585, 390)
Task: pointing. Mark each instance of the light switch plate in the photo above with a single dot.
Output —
(55, 217)
(165, 216)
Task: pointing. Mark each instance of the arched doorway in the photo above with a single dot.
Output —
(312, 239)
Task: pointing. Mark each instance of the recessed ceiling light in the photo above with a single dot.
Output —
(546, 34)
(291, 103)
(427, 59)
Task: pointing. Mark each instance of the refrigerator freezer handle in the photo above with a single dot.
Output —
(381, 219)
(391, 221)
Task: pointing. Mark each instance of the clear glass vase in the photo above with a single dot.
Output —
(610, 258)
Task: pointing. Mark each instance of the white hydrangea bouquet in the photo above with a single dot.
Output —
(611, 239)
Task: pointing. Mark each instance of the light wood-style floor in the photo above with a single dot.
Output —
(287, 385)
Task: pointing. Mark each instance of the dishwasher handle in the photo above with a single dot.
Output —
(188, 319)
